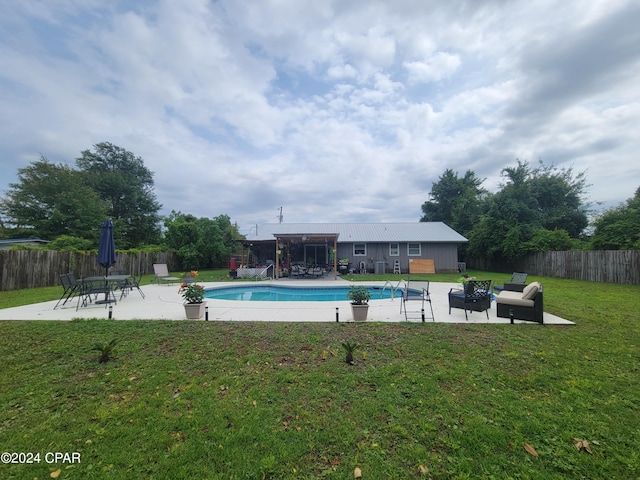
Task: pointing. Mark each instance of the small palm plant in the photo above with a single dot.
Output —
(349, 348)
(106, 350)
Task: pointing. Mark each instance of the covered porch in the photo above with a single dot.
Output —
(298, 254)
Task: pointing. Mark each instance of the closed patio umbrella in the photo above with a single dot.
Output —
(106, 247)
(106, 252)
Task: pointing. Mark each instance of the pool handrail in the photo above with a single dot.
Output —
(273, 271)
(393, 289)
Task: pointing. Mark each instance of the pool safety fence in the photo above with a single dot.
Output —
(258, 273)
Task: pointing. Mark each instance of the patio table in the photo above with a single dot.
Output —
(119, 281)
(101, 285)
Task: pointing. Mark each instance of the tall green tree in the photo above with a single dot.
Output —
(123, 181)
(619, 228)
(50, 200)
(456, 201)
(200, 242)
(559, 195)
(536, 209)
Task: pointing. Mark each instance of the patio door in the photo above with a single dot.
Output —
(316, 254)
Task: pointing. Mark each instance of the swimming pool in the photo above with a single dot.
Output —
(281, 293)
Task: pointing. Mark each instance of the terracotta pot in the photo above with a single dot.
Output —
(359, 312)
(194, 311)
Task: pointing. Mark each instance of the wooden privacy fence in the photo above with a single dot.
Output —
(606, 266)
(42, 268)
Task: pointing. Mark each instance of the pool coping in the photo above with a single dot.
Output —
(163, 302)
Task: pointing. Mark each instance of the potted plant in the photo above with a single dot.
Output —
(193, 295)
(343, 265)
(359, 297)
(464, 281)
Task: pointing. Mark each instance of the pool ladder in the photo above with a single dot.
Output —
(394, 289)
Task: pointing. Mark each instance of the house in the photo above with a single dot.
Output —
(370, 247)
(23, 242)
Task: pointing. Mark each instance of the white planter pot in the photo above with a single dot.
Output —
(359, 312)
(194, 311)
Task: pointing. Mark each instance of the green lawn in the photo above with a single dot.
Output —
(269, 400)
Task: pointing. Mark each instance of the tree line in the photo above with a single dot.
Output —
(68, 205)
(537, 209)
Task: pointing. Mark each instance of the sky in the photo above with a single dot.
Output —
(326, 111)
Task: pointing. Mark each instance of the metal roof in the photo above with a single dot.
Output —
(363, 232)
(10, 242)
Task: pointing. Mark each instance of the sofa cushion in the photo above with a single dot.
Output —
(530, 291)
(513, 298)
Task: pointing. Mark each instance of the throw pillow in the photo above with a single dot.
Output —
(530, 291)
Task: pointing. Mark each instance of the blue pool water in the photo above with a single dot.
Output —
(279, 293)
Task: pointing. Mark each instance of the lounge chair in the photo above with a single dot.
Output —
(523, 305)
(474, 297)
(516, 284)
(409, 294)
(162, 273)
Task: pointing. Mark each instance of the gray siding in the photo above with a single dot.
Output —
(444, 254)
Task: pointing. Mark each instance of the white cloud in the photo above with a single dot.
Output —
(440, 66)
(337, 72)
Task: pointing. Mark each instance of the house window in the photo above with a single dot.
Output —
(413, 249)
(394, 249)
(359, 249)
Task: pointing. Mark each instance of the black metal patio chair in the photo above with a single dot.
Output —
(474, 297)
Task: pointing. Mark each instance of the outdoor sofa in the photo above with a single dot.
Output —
(526, 304)
(517, 283)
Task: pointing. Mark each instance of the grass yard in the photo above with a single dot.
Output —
(223, 400)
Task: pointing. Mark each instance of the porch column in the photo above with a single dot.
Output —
(335, 258)
(277, 271)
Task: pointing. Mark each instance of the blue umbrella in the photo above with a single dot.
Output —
(106, 247)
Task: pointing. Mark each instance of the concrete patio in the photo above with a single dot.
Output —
(163, 302)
